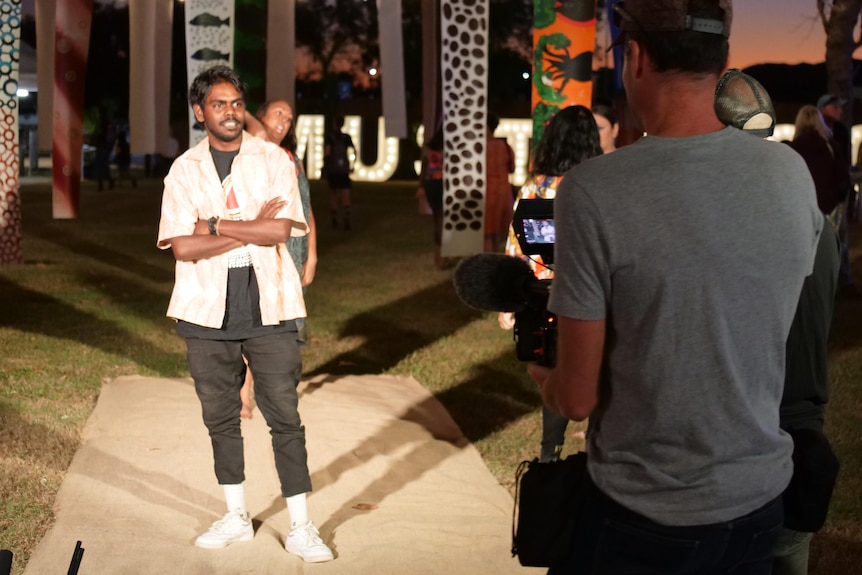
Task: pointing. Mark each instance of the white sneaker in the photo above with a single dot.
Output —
(231, 528)
(304, 540)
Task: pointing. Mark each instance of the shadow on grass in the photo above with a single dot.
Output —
(846, 333)
(834, 553)
(489, 401)
(388, 334)
(121, 260)
(36, 312)
(21, 437)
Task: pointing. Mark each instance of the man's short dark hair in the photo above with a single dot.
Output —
(688, 51)
(203, 83)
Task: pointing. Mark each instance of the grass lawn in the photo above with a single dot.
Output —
(88, 305)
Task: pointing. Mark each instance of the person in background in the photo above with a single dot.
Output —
(229, 205)
(832, 108)
(609, 127)
(431, 185)
(500, 162)
(570, 138)
(673, 313)
(123, 157)
(822, 155)
(275, 122)
(106, 138)
(337, 167)
(742, 102)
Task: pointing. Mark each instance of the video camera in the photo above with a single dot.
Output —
(498, 282)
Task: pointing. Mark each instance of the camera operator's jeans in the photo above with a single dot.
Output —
(611, 539)
(791, 553)
(218, 370)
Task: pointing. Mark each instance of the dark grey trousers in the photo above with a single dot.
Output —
(218, 370)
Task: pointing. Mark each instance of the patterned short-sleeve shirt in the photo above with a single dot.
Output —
(193, 191)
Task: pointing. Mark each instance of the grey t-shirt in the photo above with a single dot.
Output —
(694, 251)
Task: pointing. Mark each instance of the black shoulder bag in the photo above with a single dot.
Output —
(548, 499)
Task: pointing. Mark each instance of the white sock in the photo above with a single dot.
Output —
(298, 509)
(234, 494)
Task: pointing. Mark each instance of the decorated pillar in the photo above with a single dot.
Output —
(464, 55)
(72, 39)
(392, 68)
(150, 23)
(209, 41)
(46, 18)
(10, 198)
(430, 68)
(280, 50)
(564, 37)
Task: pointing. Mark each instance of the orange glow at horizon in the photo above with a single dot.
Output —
(776, 31)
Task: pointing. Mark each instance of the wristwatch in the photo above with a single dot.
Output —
(211, 224)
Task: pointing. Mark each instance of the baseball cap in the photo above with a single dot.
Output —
(666, 16)
(742, 102)
(827, 99)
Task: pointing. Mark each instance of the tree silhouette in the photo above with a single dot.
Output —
(840, 18)
(340, 36)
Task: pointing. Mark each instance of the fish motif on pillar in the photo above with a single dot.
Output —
(209, 41)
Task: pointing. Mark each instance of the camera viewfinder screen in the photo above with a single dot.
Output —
(539, 231)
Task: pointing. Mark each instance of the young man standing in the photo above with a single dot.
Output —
(229, 205)
(676, 283)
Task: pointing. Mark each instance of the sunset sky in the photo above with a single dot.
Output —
(764, 31)
(776, 31)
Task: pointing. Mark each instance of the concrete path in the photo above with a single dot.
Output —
(397, 487)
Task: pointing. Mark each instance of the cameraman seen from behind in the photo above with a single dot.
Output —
(569, 138)
(676, 282)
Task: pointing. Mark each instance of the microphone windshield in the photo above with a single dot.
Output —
(492, 282)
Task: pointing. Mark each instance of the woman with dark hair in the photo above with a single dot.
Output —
(274, 122)
(609, 127)
(570, 138)
(278, 125)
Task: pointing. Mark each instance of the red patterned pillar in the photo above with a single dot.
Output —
(46, 18)
(10, 198)
(72, 34)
